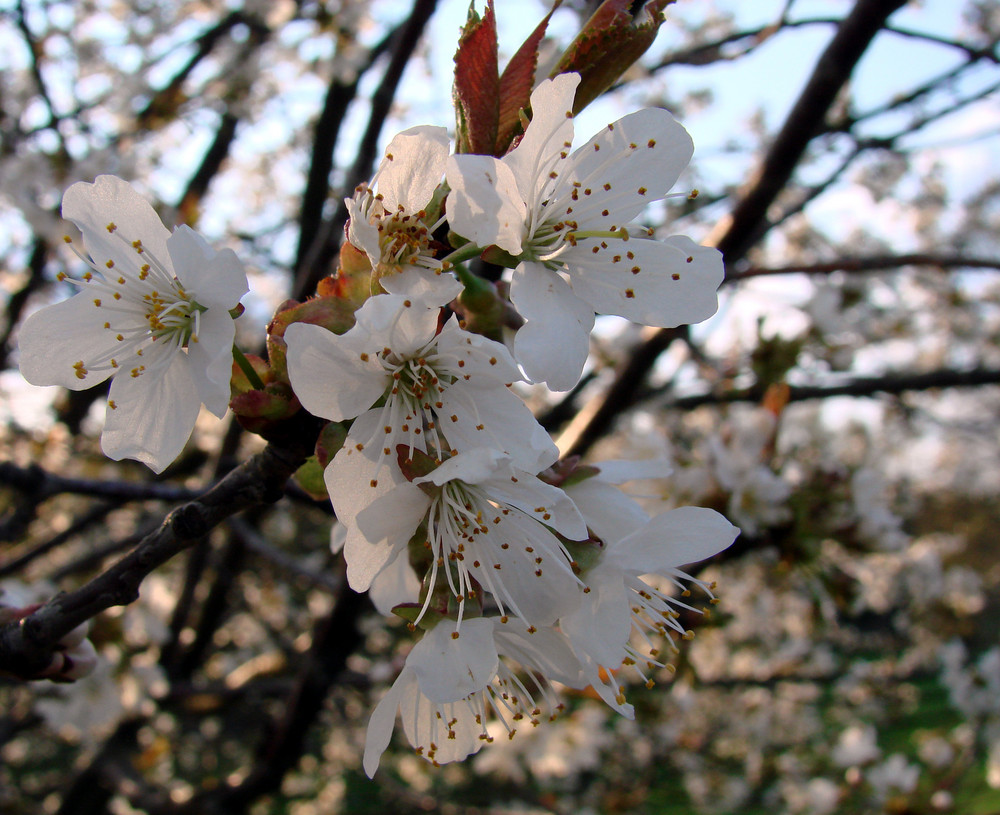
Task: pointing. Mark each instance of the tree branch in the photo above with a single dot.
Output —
(748, 223)
(325, 244)
(891, 384)
(26, 648)
(874, 263)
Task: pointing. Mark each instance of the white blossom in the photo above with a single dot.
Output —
(437, 389)
(153, 312)
(564, 217)
(618, 601)
(453, 683)
(894, 775)
(857, 745)
(388, 217)
(489, 527)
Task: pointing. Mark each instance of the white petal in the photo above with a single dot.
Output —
(154, 417)
(92, 207)
(683, 535)
(431, 288)
(489, 362)
(470, 466)
(55, 338)
(620, 471)
(497, 418)
(338, 537)
(362, 233)
(369, 429)
(609, 512)
(390, 320)
(450, 668)
(349, 480)
(600, 627)
(395, 516)
(213, 278)
(546, 651)
(441, 733)
(211, 359)
(328, 374)
(538, 591)
(412, 326)
(412, 168)
(397, 583)
(658, 283)
(548, 135)
(383, 720)
(553, 345)
(485, 205)
(539, 500)
(627, 165)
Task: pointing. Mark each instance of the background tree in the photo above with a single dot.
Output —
(841, 409)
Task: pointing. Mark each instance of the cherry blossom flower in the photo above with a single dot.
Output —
(564, 217)
(436, 390)
(153, 313)
(490, 527)
(388, 217)
(453, 683)
(618, 601)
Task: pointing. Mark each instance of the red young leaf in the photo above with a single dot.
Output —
(609, 44)
(516, 84)
(477, 84)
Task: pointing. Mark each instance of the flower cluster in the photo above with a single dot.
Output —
(521, 572)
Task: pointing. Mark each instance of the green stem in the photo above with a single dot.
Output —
(248, 369)
(465, 277)
(470, 250)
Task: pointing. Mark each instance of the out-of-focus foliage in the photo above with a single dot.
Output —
(841, 409)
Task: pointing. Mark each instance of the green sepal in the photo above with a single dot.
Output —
(481, 306)
(310, 477)
(331, 439)
(410, 612)
(496, 255)
(240, 380)
(568, 471)
(415, 463)
(332, 313)
(585, 554)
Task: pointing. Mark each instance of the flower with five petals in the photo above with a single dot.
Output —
(452, 683)
(563, 215)
(389, 219)
(488, 527)
(153, 312)
(619, 600)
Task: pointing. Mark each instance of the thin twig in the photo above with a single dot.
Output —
(26, 649)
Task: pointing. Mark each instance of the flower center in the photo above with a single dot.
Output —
(479, 542)
(404, 238)
(145, 309)
(412, 399)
